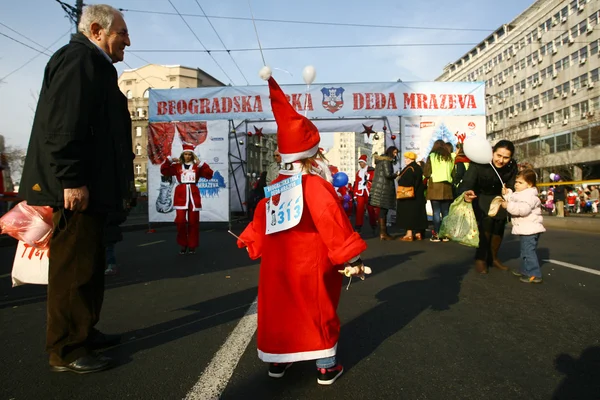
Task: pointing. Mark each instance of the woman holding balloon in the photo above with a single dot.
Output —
(383, 191)
(490, 173)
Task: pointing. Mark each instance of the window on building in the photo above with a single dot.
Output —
(172, 78)
(563, 142)
(128, 83)
(575, 58)
(576, 110)
(583, 52)
(594, 75)
(129, 94)
(594, 47)
(140, 112)
(593, 19)
(138, 131)
(566, 87)
(138, 149)
(583, 27)
(585, 107)
(146, 93)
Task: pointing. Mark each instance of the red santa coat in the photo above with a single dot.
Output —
(299, 286)
(363, 181)
(187, 191)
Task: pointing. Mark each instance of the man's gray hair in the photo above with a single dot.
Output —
(102, 14)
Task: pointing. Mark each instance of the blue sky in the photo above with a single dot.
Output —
(44, 21)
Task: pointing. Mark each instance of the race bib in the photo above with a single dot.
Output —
(188, 176)
(284, 204)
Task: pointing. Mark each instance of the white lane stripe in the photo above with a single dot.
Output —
(215, 377)
(577, 267)
(151, 243)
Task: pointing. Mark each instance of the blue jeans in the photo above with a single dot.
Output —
(531, 265)
(328, 362)
(110, 254)
(439, 207)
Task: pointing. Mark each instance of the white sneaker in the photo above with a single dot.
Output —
(495, 206)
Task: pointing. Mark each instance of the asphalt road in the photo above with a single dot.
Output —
(423, 326)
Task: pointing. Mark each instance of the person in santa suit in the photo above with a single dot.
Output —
(299, 283)
(362, 187)
(188, 169)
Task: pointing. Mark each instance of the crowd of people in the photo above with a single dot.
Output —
(79, 162)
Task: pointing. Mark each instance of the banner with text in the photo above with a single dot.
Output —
(419, 133)
(211, 141)
(321, 101)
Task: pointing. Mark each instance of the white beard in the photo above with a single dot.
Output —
(323, 171)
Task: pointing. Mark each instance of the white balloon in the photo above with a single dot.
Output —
(478, 149)
(552, 175)
(309, 74)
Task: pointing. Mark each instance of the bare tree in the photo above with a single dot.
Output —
(15, 159)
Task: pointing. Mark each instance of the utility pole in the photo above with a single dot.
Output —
(73, 13)
(78, 10)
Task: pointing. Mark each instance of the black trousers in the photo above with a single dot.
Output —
(488, 227)
(75, 283)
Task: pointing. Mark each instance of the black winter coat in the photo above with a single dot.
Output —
(383, 190)
(482, 179)
(81, 132)
(411, 213)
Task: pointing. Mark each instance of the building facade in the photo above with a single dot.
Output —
(347, 148)
(136, 85)
(541, 72)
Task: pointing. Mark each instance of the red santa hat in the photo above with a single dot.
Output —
(363, 158)
(297, 137)
(188, 147)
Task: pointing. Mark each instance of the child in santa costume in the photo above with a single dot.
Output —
(299, 284)
(188, 169)
(362, 187)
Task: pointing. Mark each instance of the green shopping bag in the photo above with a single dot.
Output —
(460, 224)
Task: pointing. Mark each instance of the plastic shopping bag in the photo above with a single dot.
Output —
(29, 224)
(30, 265)
(460, 224)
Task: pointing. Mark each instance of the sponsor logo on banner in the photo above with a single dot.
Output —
(217, 139)
(471, 125)
(216, 159)
(411, 125)
(427, 124)
(333, 99)
(211, 188)
(413, 146)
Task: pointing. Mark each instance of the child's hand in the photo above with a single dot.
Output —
(504, 204)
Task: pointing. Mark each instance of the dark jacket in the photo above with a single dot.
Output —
(383, 190)
(411, 213)
(482, 179)
(81, 132)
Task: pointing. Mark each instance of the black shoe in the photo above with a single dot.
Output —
(99, 340)
(183, 250)
(84, 365)
(277, 370)
(192, 250)
(326, 376)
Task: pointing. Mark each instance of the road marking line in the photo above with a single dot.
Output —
(5, 276)
(151, 243)
(215, 377)
(577, 267)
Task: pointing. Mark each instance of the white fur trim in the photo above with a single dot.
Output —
(293, 357)
(291, 157)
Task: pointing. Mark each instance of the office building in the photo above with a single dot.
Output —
(541, 72)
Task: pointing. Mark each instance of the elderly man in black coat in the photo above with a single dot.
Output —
(79, 161)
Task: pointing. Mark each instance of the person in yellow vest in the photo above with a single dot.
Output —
(438, 171)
